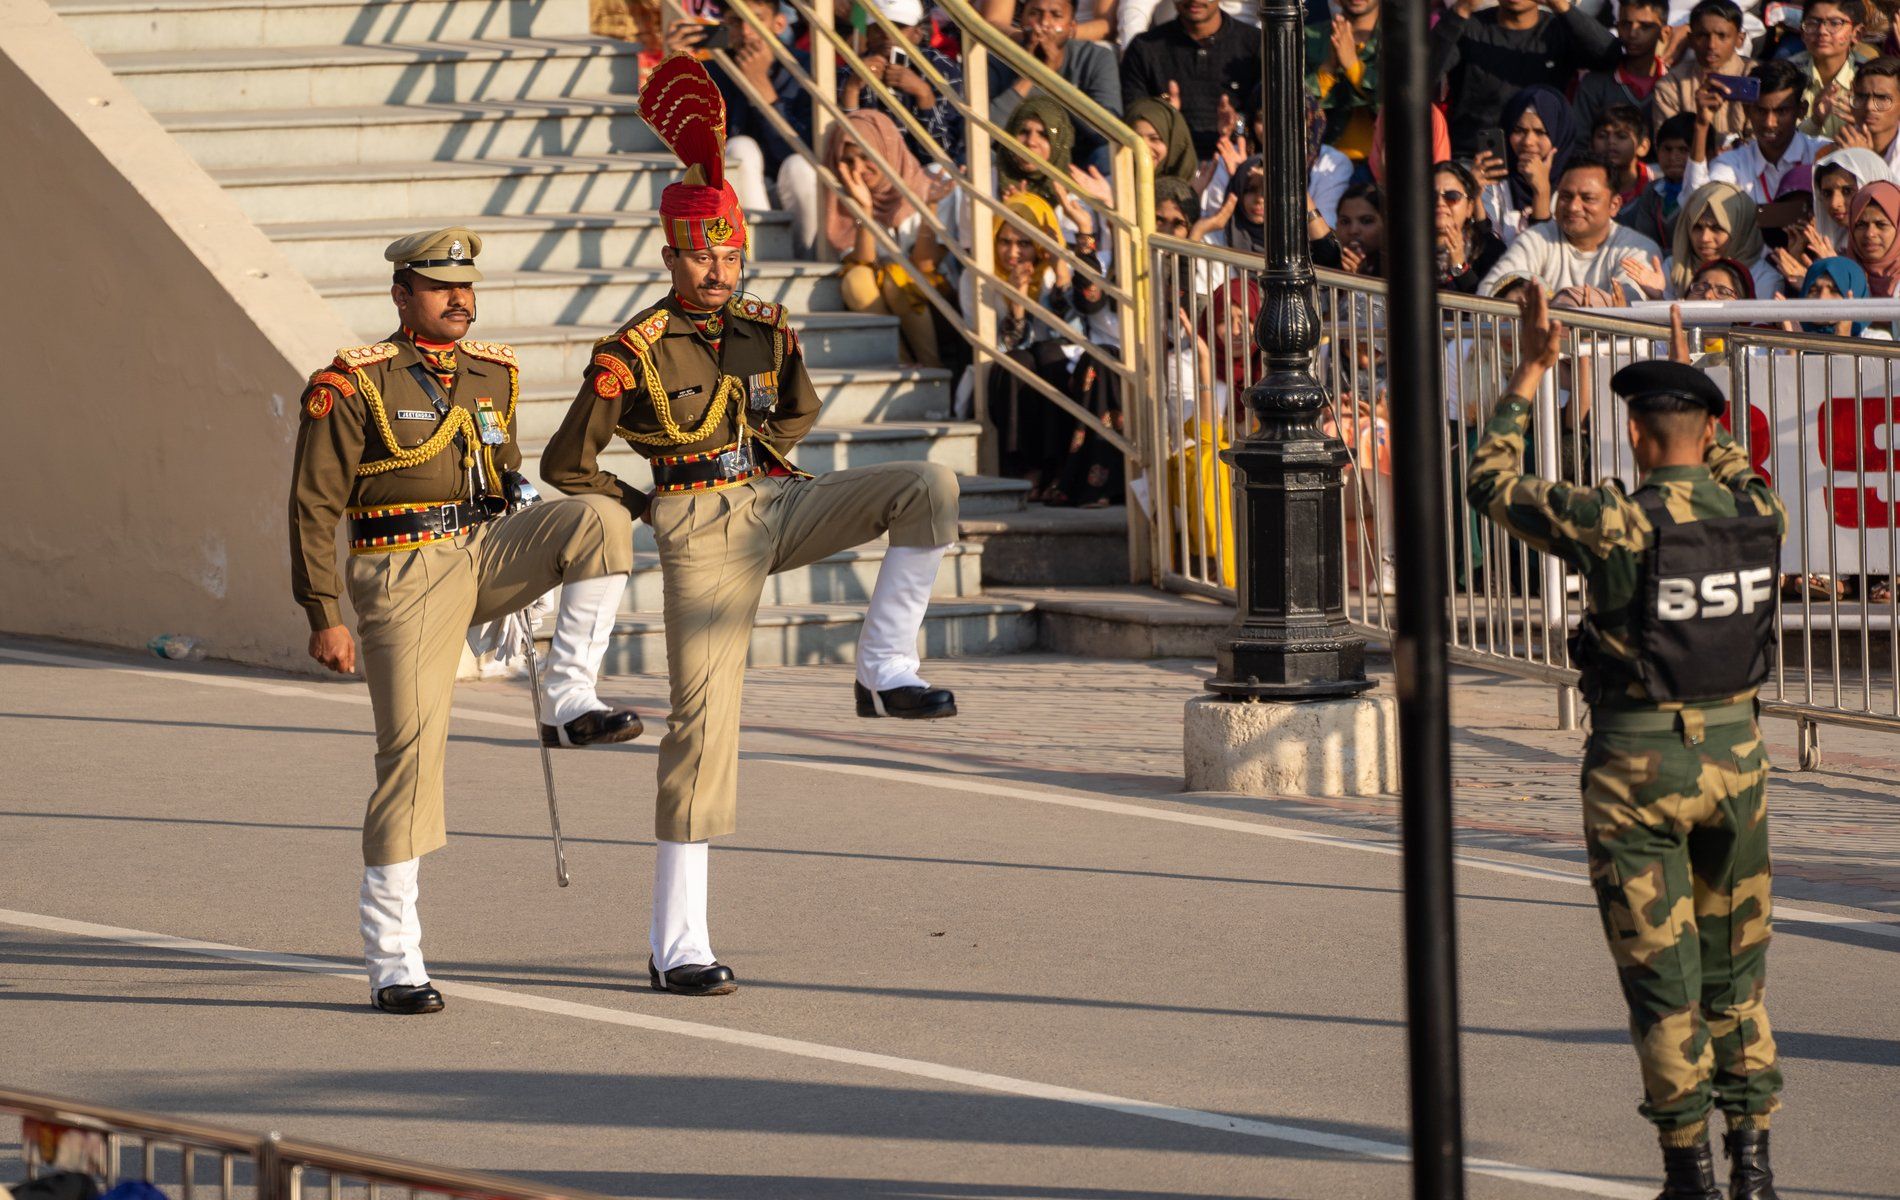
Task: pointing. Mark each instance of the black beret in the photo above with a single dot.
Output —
(1646, 380)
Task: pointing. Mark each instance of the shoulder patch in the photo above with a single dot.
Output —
(353, 357)
(493, 352)
(331, 379)
(615, 377)
(319, 402)
(763, 312)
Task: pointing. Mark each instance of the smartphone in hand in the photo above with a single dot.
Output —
(1740, 88)
(1491, 141)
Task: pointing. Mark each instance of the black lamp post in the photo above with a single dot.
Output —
(1290, 639)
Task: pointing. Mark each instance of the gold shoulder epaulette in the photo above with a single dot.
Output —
(493, 352)
(757, 310)
(353, 357)
(642, 334)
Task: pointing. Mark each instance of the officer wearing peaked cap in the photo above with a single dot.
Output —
(711, 389)
(412, 441)
(1679, 632)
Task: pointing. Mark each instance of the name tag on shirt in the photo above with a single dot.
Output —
(685, 392)
(410, 414)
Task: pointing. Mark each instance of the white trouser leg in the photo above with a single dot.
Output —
(887, 645)
(581, 631)
(679, 935)
(798, 195)
(392, 932)
(745, 167)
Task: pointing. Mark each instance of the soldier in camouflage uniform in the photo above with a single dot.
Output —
(1673, 791)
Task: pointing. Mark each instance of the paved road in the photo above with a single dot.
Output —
(1001, 956)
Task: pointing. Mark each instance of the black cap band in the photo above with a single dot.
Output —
(435, 262)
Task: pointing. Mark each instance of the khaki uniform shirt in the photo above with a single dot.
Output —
(353, 410)
(1675, 93)
(659, 383)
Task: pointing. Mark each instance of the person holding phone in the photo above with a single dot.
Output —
(1715, 40)
(1758, 167)
(896, 63)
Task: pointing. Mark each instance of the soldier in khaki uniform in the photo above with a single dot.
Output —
(413, 439)
(712, 390)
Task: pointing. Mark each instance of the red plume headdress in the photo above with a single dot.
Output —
(683, 105)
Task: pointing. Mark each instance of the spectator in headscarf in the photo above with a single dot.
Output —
(1228, 327)
(1717, 222)
(1838, 177)
(1044, 127)
(1162, 127)
(1539, 138)
(1241, 220)
(1873, 236)
(1721, 279)
(873, 280)
(1838, 278)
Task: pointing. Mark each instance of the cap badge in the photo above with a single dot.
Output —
(455, 248)
(718, 231)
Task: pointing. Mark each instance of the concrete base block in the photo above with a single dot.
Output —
(1293, 748)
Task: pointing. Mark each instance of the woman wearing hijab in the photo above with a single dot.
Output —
(1873, 236)
(1043, 126)
(1717, 221)
(1839, 279)
(1539, 135)
(1163, 128)
(873, 282)
(1838, 177)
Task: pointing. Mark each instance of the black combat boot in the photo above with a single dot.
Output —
(1749, 1175)
(1689, 1173)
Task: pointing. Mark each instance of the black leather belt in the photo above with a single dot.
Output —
(711, 469)
(406, 526)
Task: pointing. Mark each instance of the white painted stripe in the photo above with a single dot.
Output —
(975, 785)
(911, 1067)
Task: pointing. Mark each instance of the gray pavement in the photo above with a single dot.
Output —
(997, 956)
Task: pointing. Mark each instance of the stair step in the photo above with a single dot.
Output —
(433, 71)
(554, 357)
(113, 26)
(825, 449)
(1053, 547)
(793, 635)
(424, 190)
(408, 133)
(845, 578)
(324, 250)
(605, 298)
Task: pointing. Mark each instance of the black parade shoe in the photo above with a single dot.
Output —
(694, 979)
(602, 727)
(406, 1001)
(1749, 1175)
(910, 703)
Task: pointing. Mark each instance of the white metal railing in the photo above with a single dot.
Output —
(188, 1160)
(1818, 414)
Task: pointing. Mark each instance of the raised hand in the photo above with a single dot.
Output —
(1093, 184)
(1540, 340)
(1645, 272)
(1173, 95)
(1489, 168)
(1345, 47)
(1226, 117)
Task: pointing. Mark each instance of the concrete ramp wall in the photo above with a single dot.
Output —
(153, 344)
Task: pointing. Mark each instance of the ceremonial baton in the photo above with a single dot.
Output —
(547, 761)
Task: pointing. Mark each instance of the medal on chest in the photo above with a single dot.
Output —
(762, 391)
(489, 423)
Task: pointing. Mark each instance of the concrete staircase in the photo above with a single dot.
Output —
(339, 125)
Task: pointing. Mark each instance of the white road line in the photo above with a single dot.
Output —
(976, 785)
(911, 1067)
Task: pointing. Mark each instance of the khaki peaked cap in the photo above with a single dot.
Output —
(445, 255)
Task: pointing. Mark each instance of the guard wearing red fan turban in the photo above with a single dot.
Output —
(710, 388)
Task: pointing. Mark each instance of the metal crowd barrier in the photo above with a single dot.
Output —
(1821, 423)
(187, 1160)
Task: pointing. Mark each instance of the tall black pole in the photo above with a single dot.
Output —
(1290, 639)
(1414, 367)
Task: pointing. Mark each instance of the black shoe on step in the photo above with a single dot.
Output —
(1749, 1175)
(602, 727)
(1689, 1173)
(407, 1001)
(694, 979)
(912, 703)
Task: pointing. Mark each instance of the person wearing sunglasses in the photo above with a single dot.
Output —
(1466, 245)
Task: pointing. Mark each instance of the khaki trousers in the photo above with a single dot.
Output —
(716, 548)
(414, 608)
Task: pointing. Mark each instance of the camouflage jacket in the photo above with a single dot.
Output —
(1601, 531)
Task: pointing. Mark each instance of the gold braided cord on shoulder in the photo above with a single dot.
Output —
(671, 434)
(456, 421)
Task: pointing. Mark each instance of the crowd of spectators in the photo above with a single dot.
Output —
(1609, 150)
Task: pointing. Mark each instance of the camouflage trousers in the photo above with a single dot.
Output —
(1677, 828)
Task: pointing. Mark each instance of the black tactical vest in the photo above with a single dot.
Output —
(1703, 622)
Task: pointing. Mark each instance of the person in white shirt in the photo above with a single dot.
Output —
(1779, 148)
(1579, 254)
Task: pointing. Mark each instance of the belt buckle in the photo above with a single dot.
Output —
(734, 463)
(450, 518)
